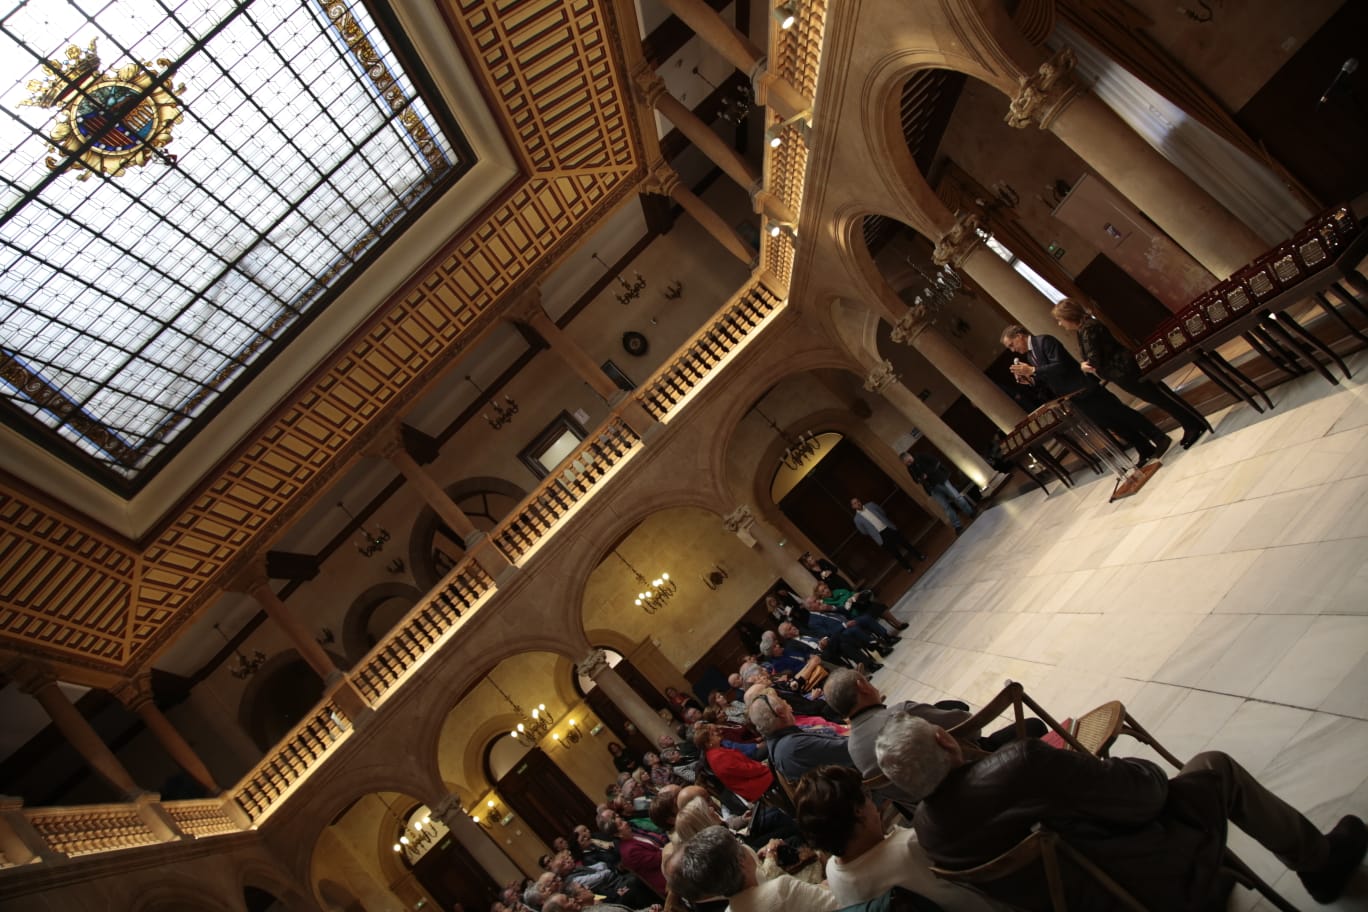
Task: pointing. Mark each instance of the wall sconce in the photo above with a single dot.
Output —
(572, 735)
(674, 291)
(775, 134)
(715, 577)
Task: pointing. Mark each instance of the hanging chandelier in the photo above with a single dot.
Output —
(939, 288)
(245, 667)
(531, 726)
(655, 594)
(367, 543)
(735, 105)
(630, 290)
(799, 448)
(503, 411)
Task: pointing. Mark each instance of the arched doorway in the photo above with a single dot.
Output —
(818, 503)
(546, 799)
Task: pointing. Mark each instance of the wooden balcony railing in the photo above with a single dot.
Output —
(88, 829)
(292, 759)
(201, 817)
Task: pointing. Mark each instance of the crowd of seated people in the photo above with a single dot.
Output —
(775, 794)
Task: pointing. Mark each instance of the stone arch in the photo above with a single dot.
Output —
(176, 896)
(425, 571)
(687, 541)
(356, 639)
(281, 692)
(334, 897)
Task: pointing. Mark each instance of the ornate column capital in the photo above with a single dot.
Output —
(957, 243)
(594, 664)
(527, 307)
(134, 692)
(1044, 94)
(743, 517)
(31, 676)
(448, 806)
(649, 85)
(880, 376)
(911, 325)
(662, 179)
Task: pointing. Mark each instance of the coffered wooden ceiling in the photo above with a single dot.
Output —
(101, 605)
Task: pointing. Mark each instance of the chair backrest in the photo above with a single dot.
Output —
(1046, 847)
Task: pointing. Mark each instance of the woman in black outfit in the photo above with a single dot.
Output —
(1112, 361)
(824, 571)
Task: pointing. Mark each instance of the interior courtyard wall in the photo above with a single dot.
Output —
(979, 140)
(348, 851)
(1242, 46)
(686, 543)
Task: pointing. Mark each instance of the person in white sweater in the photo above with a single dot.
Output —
(836, 815)
(714, 863)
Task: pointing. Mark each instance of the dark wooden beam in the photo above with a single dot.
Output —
(288, 565)
(671, 35)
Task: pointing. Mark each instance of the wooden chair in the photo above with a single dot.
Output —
(1093, 734)
(1043, 847)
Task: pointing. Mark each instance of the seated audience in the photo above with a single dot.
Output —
(840, 650)
(746, 777)
(624, 761)
(824, 571)
(700, 813)
(836, 815)
(857, 604)
(793, 750)
(1160, 838)
(852, 694)
(733, 710)
(639, 850)
(715, 863)
(802, 668)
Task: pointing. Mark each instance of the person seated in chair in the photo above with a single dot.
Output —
(715, 863)
(857, 603)
(1161, 839)
(853, 695)
(794, 750)
(836, 815)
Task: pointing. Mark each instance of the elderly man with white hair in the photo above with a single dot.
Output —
(794, 750)
(1162, 839)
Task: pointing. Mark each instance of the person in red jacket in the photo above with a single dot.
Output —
(746, 777)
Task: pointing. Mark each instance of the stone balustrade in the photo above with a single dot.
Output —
(35, 835)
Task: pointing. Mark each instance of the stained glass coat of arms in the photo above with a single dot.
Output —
(185, 185)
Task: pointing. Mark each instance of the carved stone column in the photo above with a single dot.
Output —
(529, 310)
(882, 379)
(487, 853)
(41, 684)
(665, 181)
(136, 694)
(738, 50)
(335, 684)
(914, 329)
(699, 133)
(595, 667)
(755, 533)
(1052, 99)
(962, 247)
(393, 449)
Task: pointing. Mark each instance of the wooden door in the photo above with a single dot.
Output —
(544, 797)
(819, 505)
(451, 876)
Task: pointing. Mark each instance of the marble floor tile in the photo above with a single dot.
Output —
(1322, 658)
(1226, 605)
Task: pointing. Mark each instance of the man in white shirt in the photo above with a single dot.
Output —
(871, 521)
(715, 863)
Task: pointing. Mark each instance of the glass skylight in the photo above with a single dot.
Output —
(129, 304)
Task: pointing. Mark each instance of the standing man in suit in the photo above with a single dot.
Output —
(871, 520)
(1046, 361)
